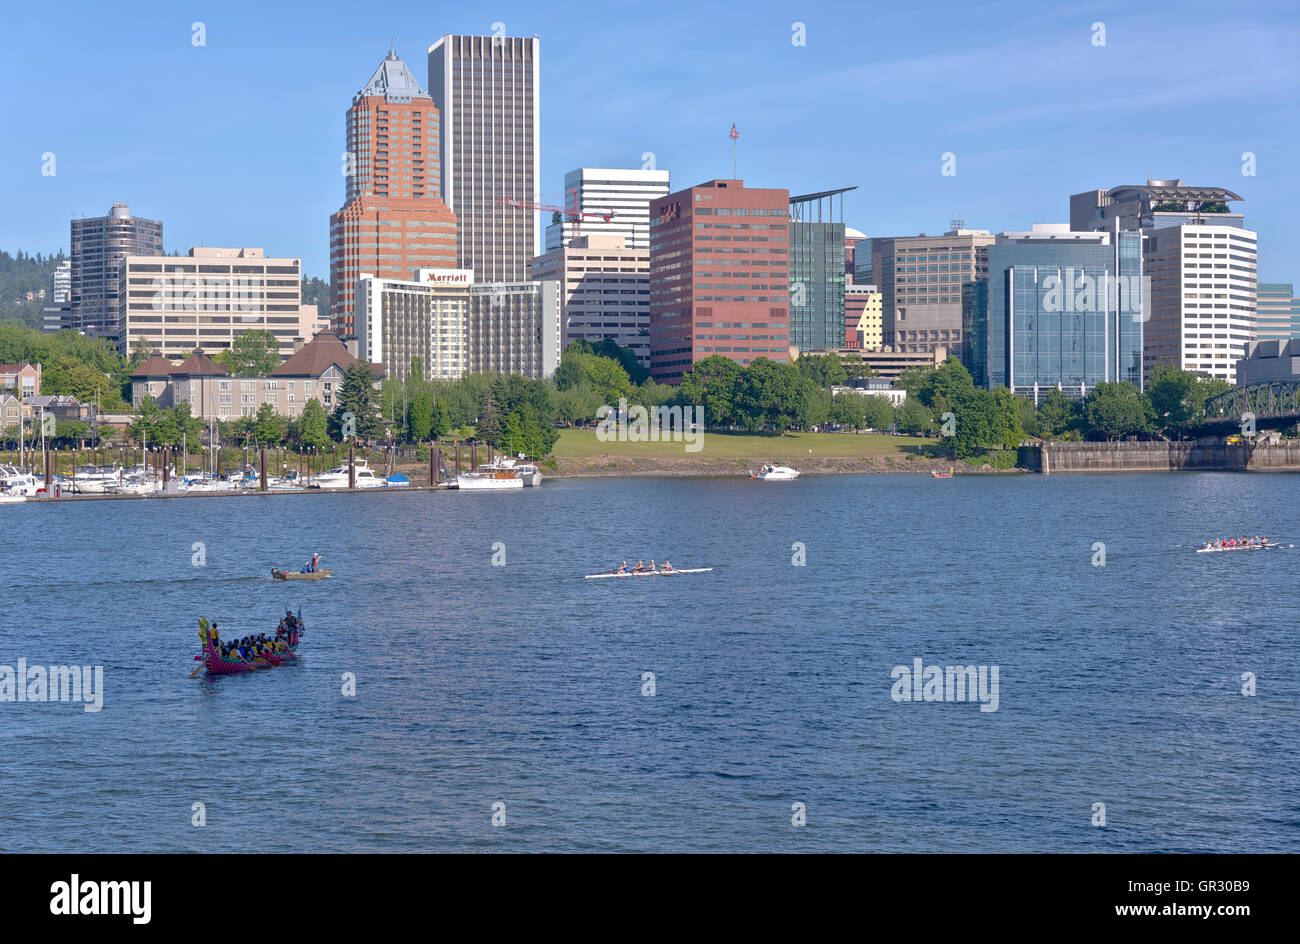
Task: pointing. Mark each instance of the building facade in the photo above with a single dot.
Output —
(1153, 205)
(487, 90)
(1201, 262)
(818, 270)
(393, 219)
(455, 326)
(624, 193)
(514, 328)
(1058, 310)
(604, 291)
(426, 318)
(863, 317)
(1277, 312)
(1202, 305)
(178, 304)
(21, 380)
(314, 372)
(719, 276)
(99, 244)
(920, 280)
(1276, 360)
(61, 283)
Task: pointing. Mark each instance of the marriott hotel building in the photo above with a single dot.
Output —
(455, 326)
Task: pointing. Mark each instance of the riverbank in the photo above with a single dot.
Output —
(616, 465)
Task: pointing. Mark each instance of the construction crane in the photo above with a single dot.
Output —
(572, 212)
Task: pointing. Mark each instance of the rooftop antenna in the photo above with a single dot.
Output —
(956, 224)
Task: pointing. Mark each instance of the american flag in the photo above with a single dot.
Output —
(734, 133)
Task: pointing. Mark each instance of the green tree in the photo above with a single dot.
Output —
(420, 416)
(877, 412)
(313, 427)
(440, 424)
(357, 395)
(825, 370)
(1117, 409)
(712, 383)
(913, 416)
(251, 354)
(1058, 415)
(488, 428)
(269, 426)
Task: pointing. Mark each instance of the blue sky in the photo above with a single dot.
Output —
(238, 142)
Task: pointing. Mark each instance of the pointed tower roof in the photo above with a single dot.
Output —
(315, 357)
(199, 364)
(155, 366)
(394, 80)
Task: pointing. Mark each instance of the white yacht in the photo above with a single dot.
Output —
(775, 473)
(13, 481)
(337, 477)
(502, 473)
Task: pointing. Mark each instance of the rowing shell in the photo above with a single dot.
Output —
(653, 573)
(1240, 547)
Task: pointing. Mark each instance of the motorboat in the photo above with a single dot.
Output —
(337, 477)
(15, 482)
(775, 473)
(501, 474)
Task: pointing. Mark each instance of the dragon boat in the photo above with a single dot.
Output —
(215, 665)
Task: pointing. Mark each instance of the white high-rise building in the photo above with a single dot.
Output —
(623, 192)
(1202, 297)
(487, 89)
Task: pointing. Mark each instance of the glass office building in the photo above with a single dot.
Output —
(817, 273)
(1058, 310)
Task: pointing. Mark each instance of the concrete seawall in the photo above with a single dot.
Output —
(1053, 458)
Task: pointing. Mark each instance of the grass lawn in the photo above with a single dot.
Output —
(583, 444)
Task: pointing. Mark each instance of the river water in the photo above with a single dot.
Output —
(517, 690)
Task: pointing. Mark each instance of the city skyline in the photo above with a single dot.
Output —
(984, 86)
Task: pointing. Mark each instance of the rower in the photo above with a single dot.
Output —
(640, 566)
(651, 568)
(622, 568)
(668, 565)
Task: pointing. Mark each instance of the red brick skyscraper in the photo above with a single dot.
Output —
(394, 220)
(719, 276)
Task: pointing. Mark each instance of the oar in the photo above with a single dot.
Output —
(202, 662)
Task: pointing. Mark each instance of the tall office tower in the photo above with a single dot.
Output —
(719, 276)
(920, 280)
(1277, 312)
(1202, 305)
(488, 91)
(1057, 310)
(61, 283)
(624, 193)
(817, 270)
(178, 304)
(99, 244)
(393, 219)
(1199, 320)
(604, 291)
